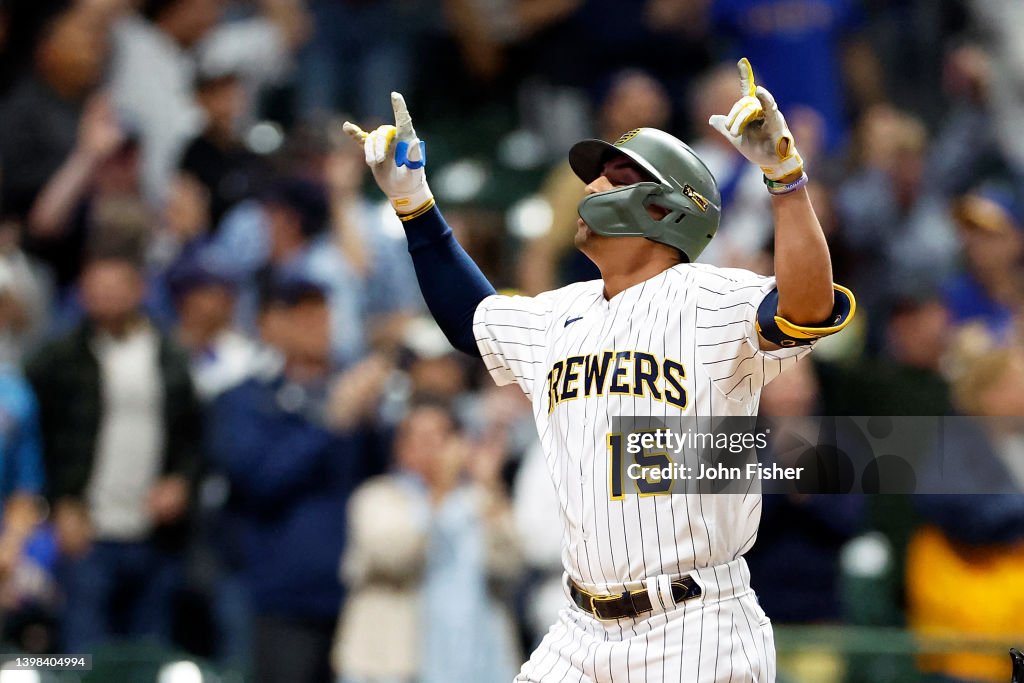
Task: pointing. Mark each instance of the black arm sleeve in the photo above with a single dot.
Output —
(451, 282)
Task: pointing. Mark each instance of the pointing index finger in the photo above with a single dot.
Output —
(747, 85)
(403, 121)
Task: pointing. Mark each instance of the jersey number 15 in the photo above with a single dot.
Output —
(641, 468)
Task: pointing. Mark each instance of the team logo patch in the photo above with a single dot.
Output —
(626, 137)
(696, 197)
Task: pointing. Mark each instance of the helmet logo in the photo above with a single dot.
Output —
(696, 197)
(626, 137)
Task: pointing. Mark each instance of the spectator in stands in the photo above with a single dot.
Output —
(427, 366)
(151, 81)
(257, 42)
(27, 594)
(217, 157)
(78, 198)
(908, 376)
(122, 453)
(204, 294)
(154, 69)
(967, 145)
(297, 215)
(27, 319)
(41, 112)
(323, 239)
(57, 131)
(178, 243)
(990, 289)
(21, 466)
(904, 234)
(972, 543)
(291, 469)
(427, 549)
(998, 21)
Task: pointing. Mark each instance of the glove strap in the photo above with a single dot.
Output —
(413, 205)
(777, 188)
(402, 155)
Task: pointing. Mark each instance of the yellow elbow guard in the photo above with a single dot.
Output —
(776, 329)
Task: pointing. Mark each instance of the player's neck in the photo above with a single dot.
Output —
(624, 273)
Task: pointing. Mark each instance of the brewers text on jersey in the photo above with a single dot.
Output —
(628, 373)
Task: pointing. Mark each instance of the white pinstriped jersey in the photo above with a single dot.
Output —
(680, 343)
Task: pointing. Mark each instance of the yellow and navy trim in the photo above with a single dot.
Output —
(777, 330)
(427, 206)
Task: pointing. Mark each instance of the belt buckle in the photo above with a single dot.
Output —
(595, 600)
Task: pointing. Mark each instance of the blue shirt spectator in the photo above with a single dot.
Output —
(290, 481)
(987, 290)
(968, 301)
(21, 468)
(291, 470)
(27, 549)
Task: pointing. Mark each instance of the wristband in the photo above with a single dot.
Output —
(423, 208)
(777, 188)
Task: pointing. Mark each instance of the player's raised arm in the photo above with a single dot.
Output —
(807, 306)
(452, 284)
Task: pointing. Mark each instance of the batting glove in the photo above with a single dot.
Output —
(756, 127)
(397, 158)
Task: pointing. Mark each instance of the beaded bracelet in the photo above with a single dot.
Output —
(777, 188)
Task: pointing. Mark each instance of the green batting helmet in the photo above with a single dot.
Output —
(679, 182)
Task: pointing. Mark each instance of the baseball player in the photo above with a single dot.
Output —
(657, 586)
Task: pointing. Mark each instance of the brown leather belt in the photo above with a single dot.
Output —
(629, 605)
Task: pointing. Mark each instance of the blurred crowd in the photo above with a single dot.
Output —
(228, 427)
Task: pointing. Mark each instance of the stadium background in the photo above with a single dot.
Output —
(180, 161)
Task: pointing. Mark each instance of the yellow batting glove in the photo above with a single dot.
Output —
(757, 128)
(397, 158)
